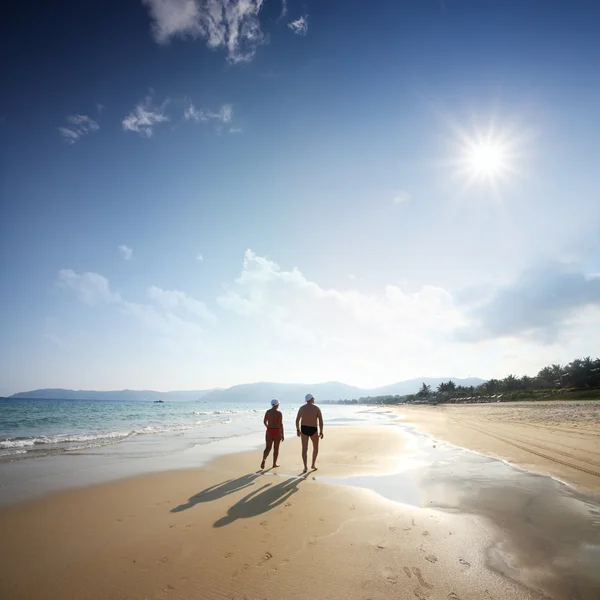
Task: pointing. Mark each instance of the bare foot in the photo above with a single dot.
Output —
(314, 468)
(305, 470)
(262, 464)
(275, 466)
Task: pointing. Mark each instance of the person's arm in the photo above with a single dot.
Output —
(298, 417)
(281, 419)
(320, 421)
(265, 419)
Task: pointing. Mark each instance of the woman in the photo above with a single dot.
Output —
(274, 423)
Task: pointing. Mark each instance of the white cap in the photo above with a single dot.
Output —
(274, 402)
(309, 397)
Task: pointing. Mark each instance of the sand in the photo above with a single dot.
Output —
(561, 439)
(227, 532)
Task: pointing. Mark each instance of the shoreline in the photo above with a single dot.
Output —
(557, 439)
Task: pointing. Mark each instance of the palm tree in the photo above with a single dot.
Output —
(425, 391)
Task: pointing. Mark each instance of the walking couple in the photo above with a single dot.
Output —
(309, 426)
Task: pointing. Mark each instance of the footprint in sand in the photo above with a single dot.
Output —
(431, 558)
(228, 554)
(288, 504)
(392, 528)
(421, 594)
(464, 563)
(163, 560)
(452, 596)
(407, 571)
(420, 578)
(264, 523)
(267, 556)
(425, 533)
(379, 547)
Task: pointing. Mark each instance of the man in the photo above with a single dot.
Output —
(309, 416)
(273, 421)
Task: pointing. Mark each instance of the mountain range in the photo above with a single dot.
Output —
(252, 392)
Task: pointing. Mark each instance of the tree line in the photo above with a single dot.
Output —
(580, 374)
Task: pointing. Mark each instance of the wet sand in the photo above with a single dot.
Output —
(561, 439)
(227, 532)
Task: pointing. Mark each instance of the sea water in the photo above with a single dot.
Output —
(47, 445)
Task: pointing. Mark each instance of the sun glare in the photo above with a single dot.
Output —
(488, 159)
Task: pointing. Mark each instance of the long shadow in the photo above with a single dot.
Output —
(219, 490)
(261, 500)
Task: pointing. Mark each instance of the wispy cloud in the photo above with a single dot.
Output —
(284, 10)
(199, 257)
(230, 24)
(166, 316)
(173, 300)
(90, 288)
(79, 126)
(126, 252)
(144, 117)
(299, 26)
(236, 130)
(401, 197)
(224, 114)
(100, 108)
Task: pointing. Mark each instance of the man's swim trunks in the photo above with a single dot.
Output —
(307, 430)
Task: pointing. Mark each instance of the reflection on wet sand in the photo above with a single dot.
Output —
(547, 533)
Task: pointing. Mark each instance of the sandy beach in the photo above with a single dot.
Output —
(561, 439)
(225, 531)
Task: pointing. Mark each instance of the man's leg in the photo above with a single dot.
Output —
(315, 441)
(276, 451)
(269, 442)
(305, 452)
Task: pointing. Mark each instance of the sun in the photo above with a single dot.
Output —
(486, 159)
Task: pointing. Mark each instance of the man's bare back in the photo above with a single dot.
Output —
(309, 415)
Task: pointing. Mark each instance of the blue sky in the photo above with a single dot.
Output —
(199, 193)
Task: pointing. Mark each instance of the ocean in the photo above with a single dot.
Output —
(47, 445)
(36, 428)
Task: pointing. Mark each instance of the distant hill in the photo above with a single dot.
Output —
(411, 386)
(253, 392)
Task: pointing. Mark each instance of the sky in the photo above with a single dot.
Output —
(202, 193)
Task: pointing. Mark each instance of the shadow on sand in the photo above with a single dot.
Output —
(262, 500)
(219, 491)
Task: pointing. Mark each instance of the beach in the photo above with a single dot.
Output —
(561, 439)
(381, 518)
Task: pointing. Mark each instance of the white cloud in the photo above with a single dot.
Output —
(230, 24)
(300, 25)
(126, 252)
(160, 318)
(236, 130)
(284, 10)
(199, 257)
(223, 115)
(90, 288)
(144, 117)
(401, 197)
(298, 308)
(173, 300)
(79, 125)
